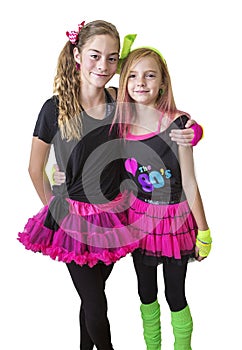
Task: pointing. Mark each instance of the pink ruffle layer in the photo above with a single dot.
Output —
(87, 235)
(164, 230)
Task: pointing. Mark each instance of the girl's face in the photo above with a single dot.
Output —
(144, 81)
(98, 60)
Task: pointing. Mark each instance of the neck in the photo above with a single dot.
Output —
(147, 120)
(93, 102)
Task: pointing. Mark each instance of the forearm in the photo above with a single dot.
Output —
(196, 205)
(38, 159)
(42, 185)
(190, 187)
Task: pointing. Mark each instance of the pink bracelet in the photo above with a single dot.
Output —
(198, 133)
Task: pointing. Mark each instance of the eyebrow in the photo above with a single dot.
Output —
(148, 70)
(97, 51)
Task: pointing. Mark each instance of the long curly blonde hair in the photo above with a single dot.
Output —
(67, 79)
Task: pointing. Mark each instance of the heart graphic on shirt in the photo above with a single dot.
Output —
(131, 165)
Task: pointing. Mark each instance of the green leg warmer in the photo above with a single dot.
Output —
(182, 329)
(151, 324)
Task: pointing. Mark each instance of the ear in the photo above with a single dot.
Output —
(162, 87)
(76, 55)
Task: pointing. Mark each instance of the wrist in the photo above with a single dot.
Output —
(204, 242)
(204, 236)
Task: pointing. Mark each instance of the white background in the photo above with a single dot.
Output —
(201, 41)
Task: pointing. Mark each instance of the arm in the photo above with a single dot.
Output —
(189, 136)
(191, 190)
(38, 159)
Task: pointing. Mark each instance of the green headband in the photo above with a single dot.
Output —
(126, 49)
(127, 44)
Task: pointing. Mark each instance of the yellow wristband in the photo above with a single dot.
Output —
(204, 242)
(204, 236)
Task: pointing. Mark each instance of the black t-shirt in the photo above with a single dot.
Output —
(92, 165)
(46, 129)
(151, 165)
(93, 170)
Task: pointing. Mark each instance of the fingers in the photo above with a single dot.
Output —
(197, 256)
(56, 167)
(200, 259)
(59, 177)
(189, 123)
(182, 137)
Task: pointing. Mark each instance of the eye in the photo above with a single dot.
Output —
(150, 75)
(113, 59)
(94, 56)
(132, 76)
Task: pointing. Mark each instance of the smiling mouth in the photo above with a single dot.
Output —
(100, 75)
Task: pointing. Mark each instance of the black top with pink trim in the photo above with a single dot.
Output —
(151, 164)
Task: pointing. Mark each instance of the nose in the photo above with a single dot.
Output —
(102, 65)
(140, 81)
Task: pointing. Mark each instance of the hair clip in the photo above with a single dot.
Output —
(73, 35)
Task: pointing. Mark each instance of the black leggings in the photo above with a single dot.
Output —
(90, 284)
(174, 278)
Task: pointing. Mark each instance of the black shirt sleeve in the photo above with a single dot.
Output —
(47, 122)
(180, 122)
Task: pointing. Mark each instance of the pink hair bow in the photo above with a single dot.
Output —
(73, 35)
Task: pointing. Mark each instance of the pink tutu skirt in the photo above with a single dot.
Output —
(88, 234)
(164, 231)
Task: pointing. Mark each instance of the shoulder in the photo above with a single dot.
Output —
(49, 110)
(47, 121)
(181, 119)
(50, 105)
